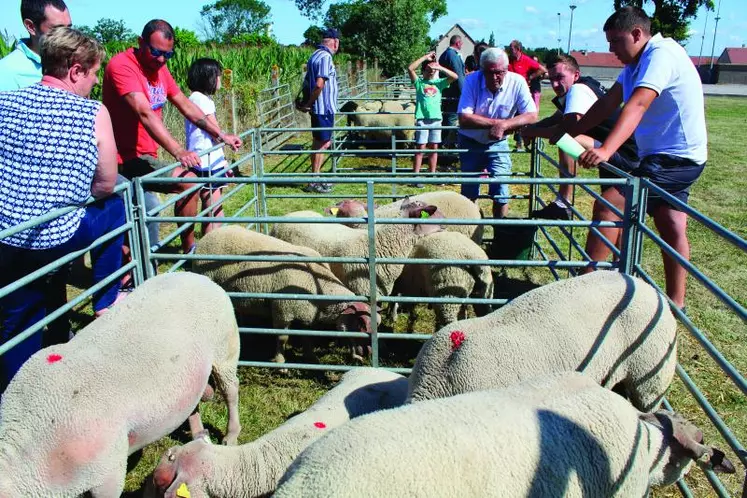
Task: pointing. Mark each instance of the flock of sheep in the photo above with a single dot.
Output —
(555, 394)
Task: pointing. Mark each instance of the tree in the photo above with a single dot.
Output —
(109, 31)
(671, 17)
(313, 35)
(184, 38)
(491, 40)
(225, 20)
(395, 31)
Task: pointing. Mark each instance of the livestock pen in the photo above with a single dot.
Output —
(273, 165)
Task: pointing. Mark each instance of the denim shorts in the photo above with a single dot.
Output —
(322, 121)
(493, 157)
(426, 133)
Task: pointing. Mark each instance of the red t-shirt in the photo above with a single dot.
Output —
(523, 65)
(124, 75)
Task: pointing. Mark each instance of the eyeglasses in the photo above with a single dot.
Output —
(502, 72)
(158, 53)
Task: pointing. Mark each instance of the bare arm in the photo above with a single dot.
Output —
(630, 117)
(544, 129)
(316, 92)
(105, 176)
(451, 76)
(413, 67)
(193, 113)
(538, 73)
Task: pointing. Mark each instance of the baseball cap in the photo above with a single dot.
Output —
(331, 33)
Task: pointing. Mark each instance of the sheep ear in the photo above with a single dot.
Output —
(719, 462)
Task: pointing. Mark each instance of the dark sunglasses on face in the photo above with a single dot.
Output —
(158, 53)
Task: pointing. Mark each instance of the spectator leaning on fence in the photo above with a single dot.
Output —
(529, 69)
(321, 79)
(664, 108)
(494, 103)
(574, 95)
(22, 67)
(137, 85)
(74, 158)
(451, 59)
(428, 90)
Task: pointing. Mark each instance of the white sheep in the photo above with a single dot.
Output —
(561, 435)
(613, 327)
(334, 240)
(388, 116)
(254, 469)
(276, 277)
(452, 204)
(75, 411)
(442, 281)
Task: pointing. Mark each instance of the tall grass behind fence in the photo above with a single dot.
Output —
(7, 43)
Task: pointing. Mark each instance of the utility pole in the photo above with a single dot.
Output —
(713, 46)
(558, 33)
(702, 40)
(570, 27)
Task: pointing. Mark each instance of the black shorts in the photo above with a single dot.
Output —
(144, 165)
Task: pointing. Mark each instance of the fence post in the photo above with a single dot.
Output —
(373, 290)
(633, 214)
(227, 84)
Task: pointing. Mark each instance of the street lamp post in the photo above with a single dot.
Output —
(570, 27)
(558, 33)
(715, 29)
(702, 39)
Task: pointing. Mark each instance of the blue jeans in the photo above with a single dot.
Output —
(26, 306)
(494, 158)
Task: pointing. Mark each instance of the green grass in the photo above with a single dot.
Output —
(268, 398)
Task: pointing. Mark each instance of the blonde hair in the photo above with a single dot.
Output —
(63, 46)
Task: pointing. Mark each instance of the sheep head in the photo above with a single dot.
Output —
(412, 210)
(348, 208)
(685, 444)
(356, 317)
(186, 465)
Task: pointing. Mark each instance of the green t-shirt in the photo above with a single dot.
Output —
(428, 97)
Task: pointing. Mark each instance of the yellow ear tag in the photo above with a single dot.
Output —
(334, 211)
(183, 492)
(424, 214)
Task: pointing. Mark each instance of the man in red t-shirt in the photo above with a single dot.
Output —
(523, 65)
(136, 86)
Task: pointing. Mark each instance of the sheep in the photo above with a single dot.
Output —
(615, 328)
(276, 277)
(450, 203)
(390, 115)
(334, 240)
(254, 469)
(561, 435)
(75, 411)
(438, 280)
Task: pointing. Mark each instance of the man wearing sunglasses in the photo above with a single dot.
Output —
(137, 84)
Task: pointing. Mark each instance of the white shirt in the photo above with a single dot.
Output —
(674, 124)
(199, 140)
(512, 98)
(579, 99)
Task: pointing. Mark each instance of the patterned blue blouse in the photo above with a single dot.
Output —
(48, 156)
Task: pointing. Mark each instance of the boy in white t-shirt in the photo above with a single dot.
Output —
(664, 107)
(203, 78)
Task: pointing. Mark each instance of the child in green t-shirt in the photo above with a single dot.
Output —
(428, 90)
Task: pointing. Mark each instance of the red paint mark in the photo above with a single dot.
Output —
(320, 425)
(484, 173)
(131, 438)
(457, 338)
(53, 358)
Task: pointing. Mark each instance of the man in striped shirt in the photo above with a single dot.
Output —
(321, 78)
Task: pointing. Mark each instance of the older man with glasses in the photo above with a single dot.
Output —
(494, 103)
(137, 84)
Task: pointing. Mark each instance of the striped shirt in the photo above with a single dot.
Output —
(48, 155)
(320, 66)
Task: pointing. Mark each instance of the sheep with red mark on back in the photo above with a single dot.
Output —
(75, 411)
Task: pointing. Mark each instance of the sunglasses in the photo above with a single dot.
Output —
(158, 53)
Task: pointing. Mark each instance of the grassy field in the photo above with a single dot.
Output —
(268, 398)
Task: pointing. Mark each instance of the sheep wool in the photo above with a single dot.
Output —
(75, 411)
(450, 203)
(392, 241)
(560, 435)
(276, 277)
(613, 327)
(254, 469)
(447, 280)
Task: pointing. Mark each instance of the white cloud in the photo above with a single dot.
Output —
(692, 32)
(531, 9)
(471, 23)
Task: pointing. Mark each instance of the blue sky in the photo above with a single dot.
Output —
(534, 22)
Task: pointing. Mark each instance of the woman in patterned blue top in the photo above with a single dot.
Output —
(56, 149)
